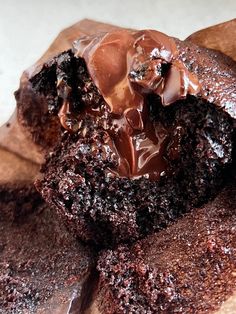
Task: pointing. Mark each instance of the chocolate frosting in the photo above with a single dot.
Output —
(125, 66)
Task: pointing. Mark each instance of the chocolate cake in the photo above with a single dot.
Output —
(148, 123)
(187, 268)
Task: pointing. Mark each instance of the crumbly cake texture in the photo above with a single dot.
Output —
(108, 210)
(39, 258)
(187, 268)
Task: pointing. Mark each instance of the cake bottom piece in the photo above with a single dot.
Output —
(41, 264)
(187, 268)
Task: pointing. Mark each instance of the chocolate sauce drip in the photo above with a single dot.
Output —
(126, 66)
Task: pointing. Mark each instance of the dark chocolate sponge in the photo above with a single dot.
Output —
(187, 268)
(112, 209)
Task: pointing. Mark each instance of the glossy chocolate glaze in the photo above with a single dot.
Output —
(125, 67)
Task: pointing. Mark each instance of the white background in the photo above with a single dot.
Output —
(27, 27)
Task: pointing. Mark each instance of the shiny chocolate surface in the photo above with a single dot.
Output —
(126, 66)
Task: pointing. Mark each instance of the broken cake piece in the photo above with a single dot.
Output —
(149, 124)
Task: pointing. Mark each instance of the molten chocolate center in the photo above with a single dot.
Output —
(126, 66)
